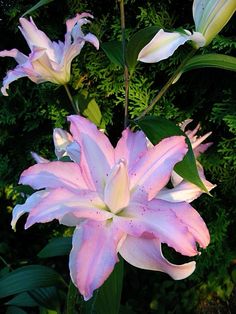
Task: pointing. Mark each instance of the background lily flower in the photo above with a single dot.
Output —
(111, 197)
(183, 190)
(48, 60)
(210, 16)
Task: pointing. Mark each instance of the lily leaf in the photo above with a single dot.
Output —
(56, 247)
(47, 297)
(22, 299)
(156, 129)
(27, 278)
(212, 60)
(136, 44)
(108, 297)
(36, 6)
(89, 107)
(15, 310)
(113, 50)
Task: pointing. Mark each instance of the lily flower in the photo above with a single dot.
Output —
(64, 145)
(183, 190)
(210, 16)
(111, 197)
(48, 60)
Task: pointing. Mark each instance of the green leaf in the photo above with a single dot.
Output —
(136, 44)
(156, 129)
(108, 296)
(28, 278)
(47, 297)
(113, 50)
(56, 247)
(89, 107)
(212, 60)
(22, 299)
(36, 6)
(15, 310)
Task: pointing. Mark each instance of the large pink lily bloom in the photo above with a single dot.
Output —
(111, 197)
(48, 60)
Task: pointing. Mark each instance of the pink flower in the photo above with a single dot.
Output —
(111, 197)
(48, 60)
(183, 190)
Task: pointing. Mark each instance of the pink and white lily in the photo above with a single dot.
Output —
(210, 16)
(48, 60)
(111, 197)
(183, 190)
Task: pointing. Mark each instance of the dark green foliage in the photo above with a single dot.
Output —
(30, 112)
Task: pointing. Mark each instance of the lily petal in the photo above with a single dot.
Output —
(116, 193)
(162, 46)
(31, 202)
(210, 16)
(97, 153)
(35, 37)
(16, 54)
(93, 255)
(184, 192)
(167, 222)
(152, 171)
(130, 147)
(68, 207)
(55, 174)
(12, 76)
(147, 254)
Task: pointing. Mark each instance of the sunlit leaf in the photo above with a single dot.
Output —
(212, 60)
(89, 107)
(156, 129)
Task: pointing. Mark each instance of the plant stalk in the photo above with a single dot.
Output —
(126, 71)
(76, 109)
(167, 85)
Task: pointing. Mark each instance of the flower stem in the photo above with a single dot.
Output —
(167, 85)
(126, 71)
(71, 298)
(75, 107)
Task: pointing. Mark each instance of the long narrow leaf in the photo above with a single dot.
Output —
(36, 6)
(27, 278)
(212, 60)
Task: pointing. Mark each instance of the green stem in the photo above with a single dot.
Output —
(71, 298)
(167, 85)
(126, 71)
(76, 109)
(4, 262)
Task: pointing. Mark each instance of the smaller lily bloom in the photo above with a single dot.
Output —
(183, 190)
(48, 60)
(65, 146)
(111, 197)
(210, 16)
